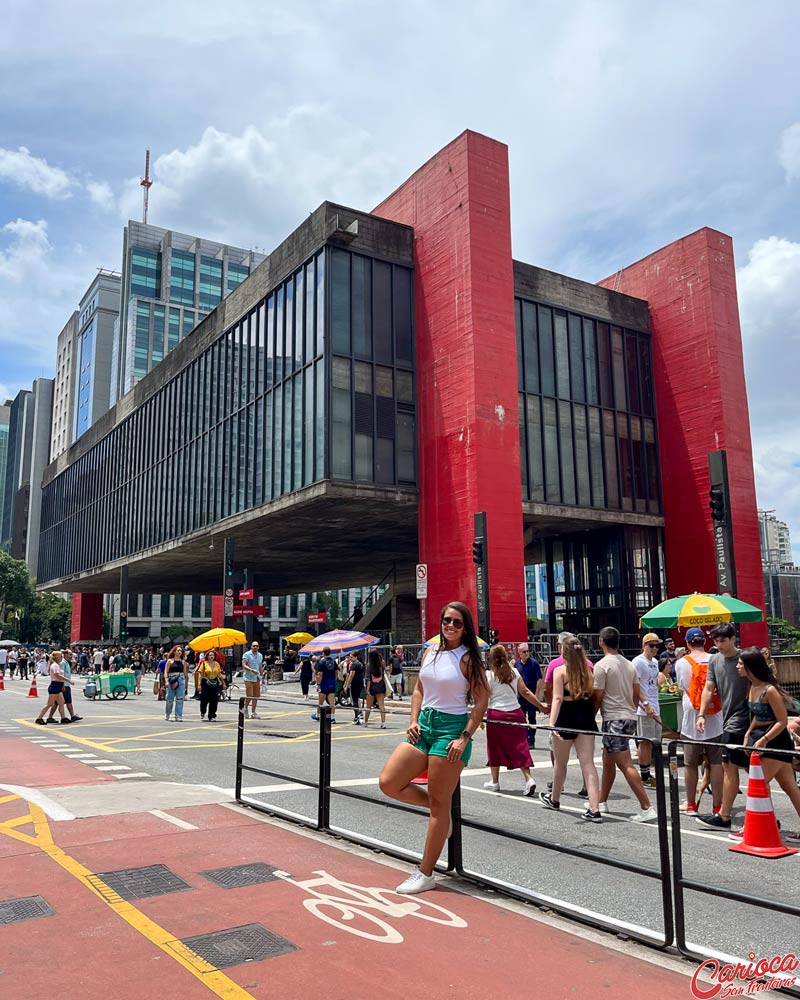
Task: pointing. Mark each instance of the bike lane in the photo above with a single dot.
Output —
(325, 913)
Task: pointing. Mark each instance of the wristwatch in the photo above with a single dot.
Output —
(466, 733)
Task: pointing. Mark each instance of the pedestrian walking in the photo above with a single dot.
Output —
(55, 690)
(22, 663)
(573, 709)
(66, 670)
(306, 675)
(396, 664)
(252, 665)
(176, 675)
(327, 671)
(725, 680)
(12, 662)
(506, 731)
(439, 735)
(616, 694)
(212, 684)
(648, 719)
(531, 673)
(376, 688)
(354, 685)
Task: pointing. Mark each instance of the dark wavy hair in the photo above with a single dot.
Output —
(756, 665)
(477, 673)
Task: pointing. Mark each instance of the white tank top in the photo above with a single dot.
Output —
(444, 686)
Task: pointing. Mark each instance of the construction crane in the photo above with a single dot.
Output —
(146, 184)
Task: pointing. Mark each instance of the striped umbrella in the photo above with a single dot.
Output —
(339, 641)
(699, 609)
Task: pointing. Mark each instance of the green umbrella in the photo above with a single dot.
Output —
(699, 609)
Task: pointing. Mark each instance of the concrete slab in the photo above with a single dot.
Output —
(112, 798)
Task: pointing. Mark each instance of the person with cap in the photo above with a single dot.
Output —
(691, 672)
(648, 720)
(668, 658)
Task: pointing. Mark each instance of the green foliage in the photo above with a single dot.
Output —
(329, 603)
(16, 592)
(784, 637)
(26, 615)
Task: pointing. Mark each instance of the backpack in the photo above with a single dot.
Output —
(696, 686)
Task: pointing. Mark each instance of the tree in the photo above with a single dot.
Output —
(46, 618)
(328, 602)
(783, 635)
(16, 591)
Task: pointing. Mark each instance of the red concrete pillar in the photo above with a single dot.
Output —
(701, 402)
(87, 618)
(217, 611)
(466, 360)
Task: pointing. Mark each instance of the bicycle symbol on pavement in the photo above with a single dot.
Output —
(360, 909)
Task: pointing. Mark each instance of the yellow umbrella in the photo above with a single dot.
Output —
(218, 638)
(298, 638)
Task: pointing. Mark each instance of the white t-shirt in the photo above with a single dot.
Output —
(3, 657)
(503, 697)
(98, 658)
(444, 686)
(683, 675)
(647, 672)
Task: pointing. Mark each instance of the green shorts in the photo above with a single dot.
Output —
(437, 730)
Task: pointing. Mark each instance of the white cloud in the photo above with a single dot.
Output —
(26, 256)
(255, 187)
(34, 173)
(101, 194)
(789, 151)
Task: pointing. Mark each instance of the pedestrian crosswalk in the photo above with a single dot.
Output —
(72, 751)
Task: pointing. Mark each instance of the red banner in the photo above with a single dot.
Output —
(246, 595)
(240, 611)
(317, 618)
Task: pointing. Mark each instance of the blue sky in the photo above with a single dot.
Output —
(628, 124)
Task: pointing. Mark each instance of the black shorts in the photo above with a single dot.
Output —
(783, 741)
(737, 757)
(67, 694)
(56, 687)
(376, 688)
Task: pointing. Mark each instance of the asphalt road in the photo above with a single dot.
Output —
(131, 737)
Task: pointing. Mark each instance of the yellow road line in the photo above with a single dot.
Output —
(209, 975)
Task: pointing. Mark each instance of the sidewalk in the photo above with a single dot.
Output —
(290, 914)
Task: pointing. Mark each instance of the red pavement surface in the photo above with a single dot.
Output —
(87, 952)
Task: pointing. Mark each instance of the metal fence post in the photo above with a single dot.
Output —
(324, 802)
(663, 844)
(677, 855)
(239, 749)
(455, 859)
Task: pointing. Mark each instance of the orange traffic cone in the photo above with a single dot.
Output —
(33, 693)
(421, 779)
(761, 835)
(2, 685)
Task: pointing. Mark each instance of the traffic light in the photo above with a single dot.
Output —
(123, 624)
(717, 504)
(229, 562)
(477, 551)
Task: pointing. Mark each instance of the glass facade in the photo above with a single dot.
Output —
(181, 277)
(210, 283)
(83, 409)
(586, 412)
(145, 273)
(253, 408)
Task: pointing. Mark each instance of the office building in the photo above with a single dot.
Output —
(776, 542)
(64, 389)
(170, 282)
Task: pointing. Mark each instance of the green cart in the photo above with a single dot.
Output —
(670, 707)
(113, 686)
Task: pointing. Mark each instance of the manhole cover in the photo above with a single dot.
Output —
(26, 908)
(141, 883)
(240, 875)
(249, 943)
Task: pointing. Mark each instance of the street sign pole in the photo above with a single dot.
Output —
(480, 556)
(720, 505)
(422, 595)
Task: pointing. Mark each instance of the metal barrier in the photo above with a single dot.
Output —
(680, 882)
(669, 871)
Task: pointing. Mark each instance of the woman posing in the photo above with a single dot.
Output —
(572, 709)
(439, 736)
(354, 683)
(376, 687)
(212, 684)
(176, 675)
(768, 726)
(508, 744)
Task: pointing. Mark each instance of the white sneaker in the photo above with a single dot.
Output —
(602, 807)
(254, 716)
(416, 882)
(530, 787)
(383, 725)
(493, 786)
(645, 815)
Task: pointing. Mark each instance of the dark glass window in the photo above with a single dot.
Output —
(181, 278)
(340, 301)
(551, 462)
(535, 469)
(362, 307)
(562, 354)
(618, 369)
(210, 283)
(576, 359)
(547, 369)
(632, 370)
(341, 463)
(145, 280)
(403, 317)
(382, 311)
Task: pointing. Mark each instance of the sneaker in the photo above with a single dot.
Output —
(51, 722)
(691, 809)
(650, 782)
(416, 882)
(314, 717)
(383, 724)
(583, 794)
(356, 722)
(736, 834)
(493, 786)
(40, 722)
(66, 720)
(254, 716)
(592, 817)
(333, 723)
(602, 807)
(793, 837)
(715, 821)
(168, 718)
(547, 801)
(530, 787)
(645, 815)
(77, 718)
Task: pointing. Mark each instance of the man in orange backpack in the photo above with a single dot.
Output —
(691, 673)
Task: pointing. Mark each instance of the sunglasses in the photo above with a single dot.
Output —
(455, 622)
(653, 645)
